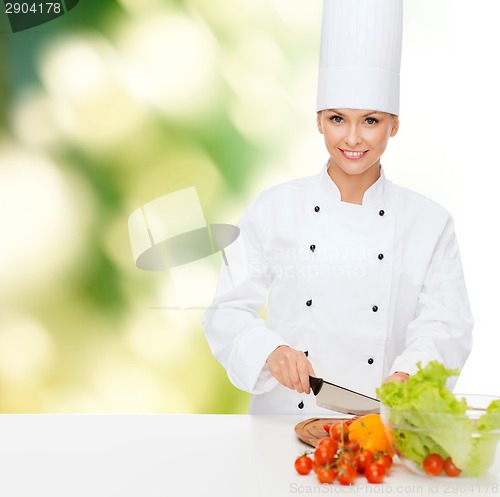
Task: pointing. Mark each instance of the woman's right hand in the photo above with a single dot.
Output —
(291, 368)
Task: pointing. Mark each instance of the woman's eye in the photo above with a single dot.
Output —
(371, 120)
(336, 119)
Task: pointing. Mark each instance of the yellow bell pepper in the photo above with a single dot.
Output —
(369, 432)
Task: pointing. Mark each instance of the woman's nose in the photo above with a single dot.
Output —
(353, 138)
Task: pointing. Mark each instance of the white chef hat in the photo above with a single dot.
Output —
(360, 55)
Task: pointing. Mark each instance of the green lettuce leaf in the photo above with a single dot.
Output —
(484, 445)
(426, 417)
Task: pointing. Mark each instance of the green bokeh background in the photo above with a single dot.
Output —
(102, 110)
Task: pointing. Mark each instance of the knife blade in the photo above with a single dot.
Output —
(341, 399)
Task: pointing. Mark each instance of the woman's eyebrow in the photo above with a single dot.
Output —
(370, 113)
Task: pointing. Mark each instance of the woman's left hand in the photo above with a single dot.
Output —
(397, 376)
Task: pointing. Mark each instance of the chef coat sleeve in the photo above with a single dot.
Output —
(442, 328)
(237, 336)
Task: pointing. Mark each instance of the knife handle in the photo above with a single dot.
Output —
(316, 384)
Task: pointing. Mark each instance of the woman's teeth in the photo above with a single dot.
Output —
(352, 155)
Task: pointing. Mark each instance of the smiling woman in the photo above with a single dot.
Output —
(355, 140)
(401, 297)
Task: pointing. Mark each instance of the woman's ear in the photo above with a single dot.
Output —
(395, 125)
(319, 121)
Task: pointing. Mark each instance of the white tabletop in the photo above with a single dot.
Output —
(179, 455)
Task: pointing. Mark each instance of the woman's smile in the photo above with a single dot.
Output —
(353, 154)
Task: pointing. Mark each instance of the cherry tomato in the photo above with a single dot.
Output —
(329, 441)
(450, 469)
(339, 431)
(324, 454)
(303, 465)
(348, 458)
(326, 427)
(375, 473)
(352, 446)
(326, 475)
(365, 457)
(433, 464)
(347, 474)
(385, 460)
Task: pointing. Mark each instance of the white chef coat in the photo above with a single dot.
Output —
(366, 290)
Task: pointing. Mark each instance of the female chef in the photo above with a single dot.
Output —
(362, 278)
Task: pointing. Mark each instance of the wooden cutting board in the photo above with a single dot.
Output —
(311, 431)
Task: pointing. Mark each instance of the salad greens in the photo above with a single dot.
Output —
(483, 450)
(426, 417)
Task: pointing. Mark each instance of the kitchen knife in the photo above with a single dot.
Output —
(337, 398)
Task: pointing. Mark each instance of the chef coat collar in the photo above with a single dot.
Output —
(371, 196)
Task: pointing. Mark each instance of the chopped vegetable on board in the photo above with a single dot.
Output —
(370, 433)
